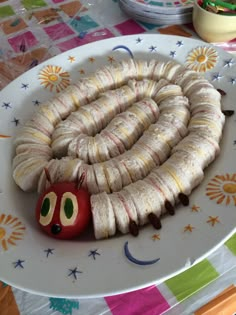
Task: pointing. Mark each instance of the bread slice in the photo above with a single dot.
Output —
(41, 123)
(103, 216)
(121, 215)
(31, 135)
(112, 175)
(101, 177)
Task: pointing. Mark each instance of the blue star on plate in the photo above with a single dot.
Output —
(216, 77)
(73, 272)
(152, 48)
(49, 251)
(24, 86)
(228, 63)
(15, 121)
(93, 253)
(18, 263)
(173, 54)
(36, 102)
(6, 105)
(179, 43)
(233, 80)
(138, 40)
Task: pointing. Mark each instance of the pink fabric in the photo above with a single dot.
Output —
(69, 44)
(129, 27)
(58, 31)
(147, 301)
(23, 42)
(88, 38)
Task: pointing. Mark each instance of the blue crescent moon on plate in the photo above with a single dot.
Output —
(138, 261)
(125, 48)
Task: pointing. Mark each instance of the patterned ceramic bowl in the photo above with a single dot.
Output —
(213, 27)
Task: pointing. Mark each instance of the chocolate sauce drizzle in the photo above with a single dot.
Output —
(228, 112)
(183, 199)
(221, 92)
(133, 228)
(170, 209)
(154, 220)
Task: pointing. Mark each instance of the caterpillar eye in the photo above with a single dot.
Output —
(47, 208)
(69, 209)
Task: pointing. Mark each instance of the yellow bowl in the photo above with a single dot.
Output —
(213, 27)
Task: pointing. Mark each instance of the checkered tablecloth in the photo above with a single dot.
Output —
(182, 294)
(32, 31)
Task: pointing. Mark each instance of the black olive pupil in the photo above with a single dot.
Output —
(68, 208)
(56, 229)
(45, 207)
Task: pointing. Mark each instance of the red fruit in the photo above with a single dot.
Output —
(63, 211)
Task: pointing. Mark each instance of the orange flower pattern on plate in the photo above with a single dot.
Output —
(111, 59)
(156, 237)
(54, 78)
(189, 228)
(223, 189)
(202, 59)
(81, 71)
(213, 220)
(195, 208)
(11, 231)
(71, 59)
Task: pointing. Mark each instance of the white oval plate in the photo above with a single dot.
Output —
(157, 18)
(161, 6)
(87, 268)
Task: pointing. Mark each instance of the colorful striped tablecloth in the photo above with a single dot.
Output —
(34, 30)
(180, 295)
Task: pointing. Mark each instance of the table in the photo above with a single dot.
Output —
(34, 30)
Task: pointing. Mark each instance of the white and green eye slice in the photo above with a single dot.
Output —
(69, 209)
(47, 208)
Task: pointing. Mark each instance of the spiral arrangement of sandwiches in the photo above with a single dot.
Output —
(142, 131)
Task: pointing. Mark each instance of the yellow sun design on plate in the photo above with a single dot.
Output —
(222, 188)
(54, 78)
(202, 59)
(11, 231)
